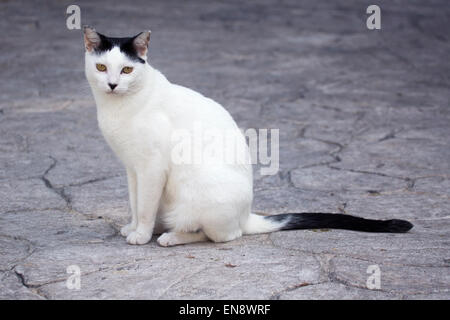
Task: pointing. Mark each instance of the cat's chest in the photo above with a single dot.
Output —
(120, 135)
(137, 138)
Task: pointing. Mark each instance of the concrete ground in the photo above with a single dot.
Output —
(364, 129)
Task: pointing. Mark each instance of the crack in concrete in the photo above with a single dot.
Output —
(179, 281)
(277, 295)
(392, 134)
(346, 255)
(38, 286)
(79, 184)
(31, 248)
(59, 191)
(335, 278)
(286, 176)
(407, 179)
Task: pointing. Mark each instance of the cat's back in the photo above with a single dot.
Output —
(188, 106)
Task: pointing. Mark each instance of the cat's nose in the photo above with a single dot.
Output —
(112, 85)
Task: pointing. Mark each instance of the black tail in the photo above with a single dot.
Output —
(310, 220)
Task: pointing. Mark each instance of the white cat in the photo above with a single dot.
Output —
(139, 111)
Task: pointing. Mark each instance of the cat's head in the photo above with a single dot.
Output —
(115, 65)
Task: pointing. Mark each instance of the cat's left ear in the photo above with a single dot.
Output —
(140, 43)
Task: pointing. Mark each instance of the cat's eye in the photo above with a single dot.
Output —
(100, 67)
(127, 69)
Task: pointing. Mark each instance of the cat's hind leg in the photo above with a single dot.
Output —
(223, 225)
(218, 235)
(174, 238)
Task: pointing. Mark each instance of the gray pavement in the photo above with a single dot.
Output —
(364, 129)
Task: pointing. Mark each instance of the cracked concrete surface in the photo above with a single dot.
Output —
(364, 129)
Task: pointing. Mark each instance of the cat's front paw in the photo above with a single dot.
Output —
(136, 237)
(127, 229)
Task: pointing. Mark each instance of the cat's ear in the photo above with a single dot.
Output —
(91, 39)
(140, 43)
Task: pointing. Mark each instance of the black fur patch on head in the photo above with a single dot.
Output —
(125, 45)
